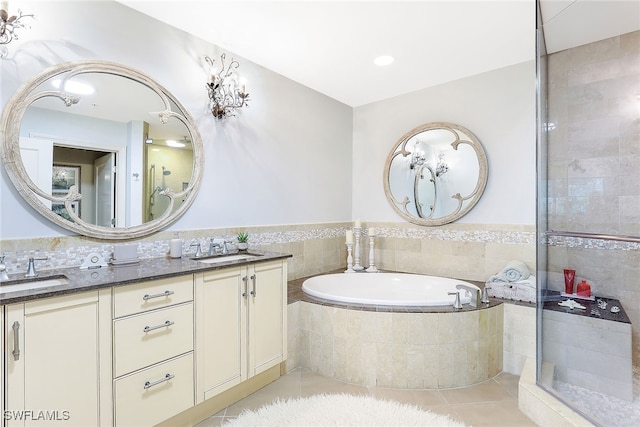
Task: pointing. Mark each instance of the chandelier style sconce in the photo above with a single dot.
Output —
(9, 25)
(225, 92)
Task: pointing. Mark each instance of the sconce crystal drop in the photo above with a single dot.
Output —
(225, 92)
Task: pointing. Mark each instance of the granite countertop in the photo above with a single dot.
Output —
(146, 269)
(598, 309)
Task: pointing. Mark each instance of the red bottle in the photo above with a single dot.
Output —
(583, 289)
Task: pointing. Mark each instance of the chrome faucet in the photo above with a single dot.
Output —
(31, 268)
(485, 295)
(3, 270)
(456, 304)
(214, 247)
(475, 294)
(198, 249)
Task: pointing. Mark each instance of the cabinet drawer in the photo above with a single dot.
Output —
(152, 337)
(147, 296)
(154, 394)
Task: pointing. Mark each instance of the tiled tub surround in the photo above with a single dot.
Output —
(396, 347)
(465, 251)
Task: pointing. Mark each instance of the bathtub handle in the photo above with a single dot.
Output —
(456, 304)
(253, 281)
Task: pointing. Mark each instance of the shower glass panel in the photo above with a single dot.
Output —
(589, 221)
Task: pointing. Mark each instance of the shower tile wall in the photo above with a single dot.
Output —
(594, 167)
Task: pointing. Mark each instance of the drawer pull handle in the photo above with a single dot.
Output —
(16, 340)
(152, 328)
(244, 279)
(253, 281)
(149, 384)
(147, 297)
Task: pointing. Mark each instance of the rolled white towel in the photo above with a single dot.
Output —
(514, 271)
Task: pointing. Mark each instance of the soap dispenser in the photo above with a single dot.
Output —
(176, 246)
(583, 289)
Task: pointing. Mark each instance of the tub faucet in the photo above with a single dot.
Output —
(475, 294)
(456, 304)
(3, 270)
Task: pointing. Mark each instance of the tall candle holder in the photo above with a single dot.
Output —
(372, 266)
(357, 233)
(349, 259)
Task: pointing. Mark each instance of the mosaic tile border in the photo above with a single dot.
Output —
(588, 243)
(64, 252)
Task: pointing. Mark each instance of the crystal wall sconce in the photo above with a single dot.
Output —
(226, 93)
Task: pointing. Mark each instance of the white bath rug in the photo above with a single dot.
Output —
(340, 410)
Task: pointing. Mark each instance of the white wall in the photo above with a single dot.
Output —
(497, 106)
(285, 160)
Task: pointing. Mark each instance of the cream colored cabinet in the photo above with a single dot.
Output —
(240, 324)
(153, 366)
(58, 367)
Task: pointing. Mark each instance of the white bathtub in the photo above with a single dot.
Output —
(391, 289)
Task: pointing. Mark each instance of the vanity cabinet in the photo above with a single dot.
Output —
(153, 366)
(240, 324)
(58, 361)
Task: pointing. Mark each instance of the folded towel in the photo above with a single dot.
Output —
(514, 270)
(523, 290)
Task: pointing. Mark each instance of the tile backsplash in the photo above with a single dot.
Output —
(465, 251)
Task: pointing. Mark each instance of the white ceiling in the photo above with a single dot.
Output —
(330, 45)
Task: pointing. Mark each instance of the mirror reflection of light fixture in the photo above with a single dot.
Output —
(441, 166)
(226, 93)
(8, 26)
(417, 157)
(148, 140)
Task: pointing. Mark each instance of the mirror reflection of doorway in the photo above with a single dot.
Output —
(168, 167)
(105, 180)
(97, 182)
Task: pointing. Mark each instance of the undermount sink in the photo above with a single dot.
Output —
(226, 258)
(32, 283)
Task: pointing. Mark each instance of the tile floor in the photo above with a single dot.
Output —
(491, 403)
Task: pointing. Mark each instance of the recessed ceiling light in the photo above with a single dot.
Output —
(383, 60)
(173, 143)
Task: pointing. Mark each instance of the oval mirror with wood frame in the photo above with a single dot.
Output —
(101, 149)
(435, 173)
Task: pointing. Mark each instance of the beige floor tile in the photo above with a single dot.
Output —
(492, 403)
(421, 398)
(509, 382)
(212, 422)
(282, 389)
(489, 391)
(446, 410)
(493, 414)
(312, 383)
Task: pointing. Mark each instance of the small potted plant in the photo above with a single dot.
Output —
(243, 238)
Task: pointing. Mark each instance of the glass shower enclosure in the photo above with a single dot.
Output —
(588, 251)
